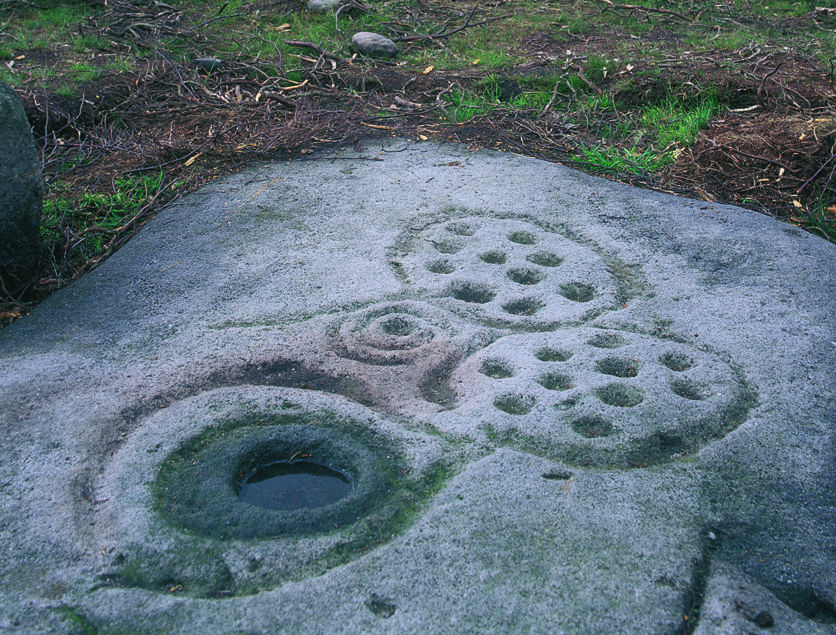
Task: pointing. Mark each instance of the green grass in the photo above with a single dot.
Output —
(621, 129)
(816, 217)
(623, 160)
(725, 40)
(266, 37)
(677, 122)
(465, 105)
(600, 103)
(16, 78)
(38, 28)
(598, 67)
(569, 23)
(83, 72)
(94, 217)
(87, 43)
(533, 100)
(490, 46)
(120, 65)
(478, 51)
(535, 91)
(10, 78)
(664, 128)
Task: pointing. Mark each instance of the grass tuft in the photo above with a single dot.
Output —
(623, 160)
(93, 219)
(677, 122)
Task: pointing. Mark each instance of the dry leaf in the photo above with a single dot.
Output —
(423, 137)
(428, 70)
(797, 204)
(476, 61)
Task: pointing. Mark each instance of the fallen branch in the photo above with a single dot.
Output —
(284, 101)
(377, 127)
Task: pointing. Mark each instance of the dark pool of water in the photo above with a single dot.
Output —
(286, 485)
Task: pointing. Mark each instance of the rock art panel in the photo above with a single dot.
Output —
(507, 272)
(488, 409)
(600, 396)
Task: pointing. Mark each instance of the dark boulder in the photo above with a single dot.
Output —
(21, 194)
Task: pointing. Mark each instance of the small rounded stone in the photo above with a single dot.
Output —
(374, 45)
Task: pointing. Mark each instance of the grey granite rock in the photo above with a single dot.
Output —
(734, 604)
(323, 5)
(208, 64)
(21, 192)
(564, 405)
(374, 45)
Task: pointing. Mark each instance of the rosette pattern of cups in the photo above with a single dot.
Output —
(392, 333)
(600, 397)
(172, 517)
(507, 272)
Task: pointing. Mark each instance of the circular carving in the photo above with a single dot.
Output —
(572, 395)
(548, 354)
(198, 485)
(515, 404)
(496, 369)
(618, 366)
(392, 333)
(173, 513)
(489, 262)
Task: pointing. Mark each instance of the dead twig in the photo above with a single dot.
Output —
(548, 106)
(767, 76)
(444, 33)
(751, 156)
(633, 7)
(284, 101)
(318, 49)
(816, 173)
(579, 70)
